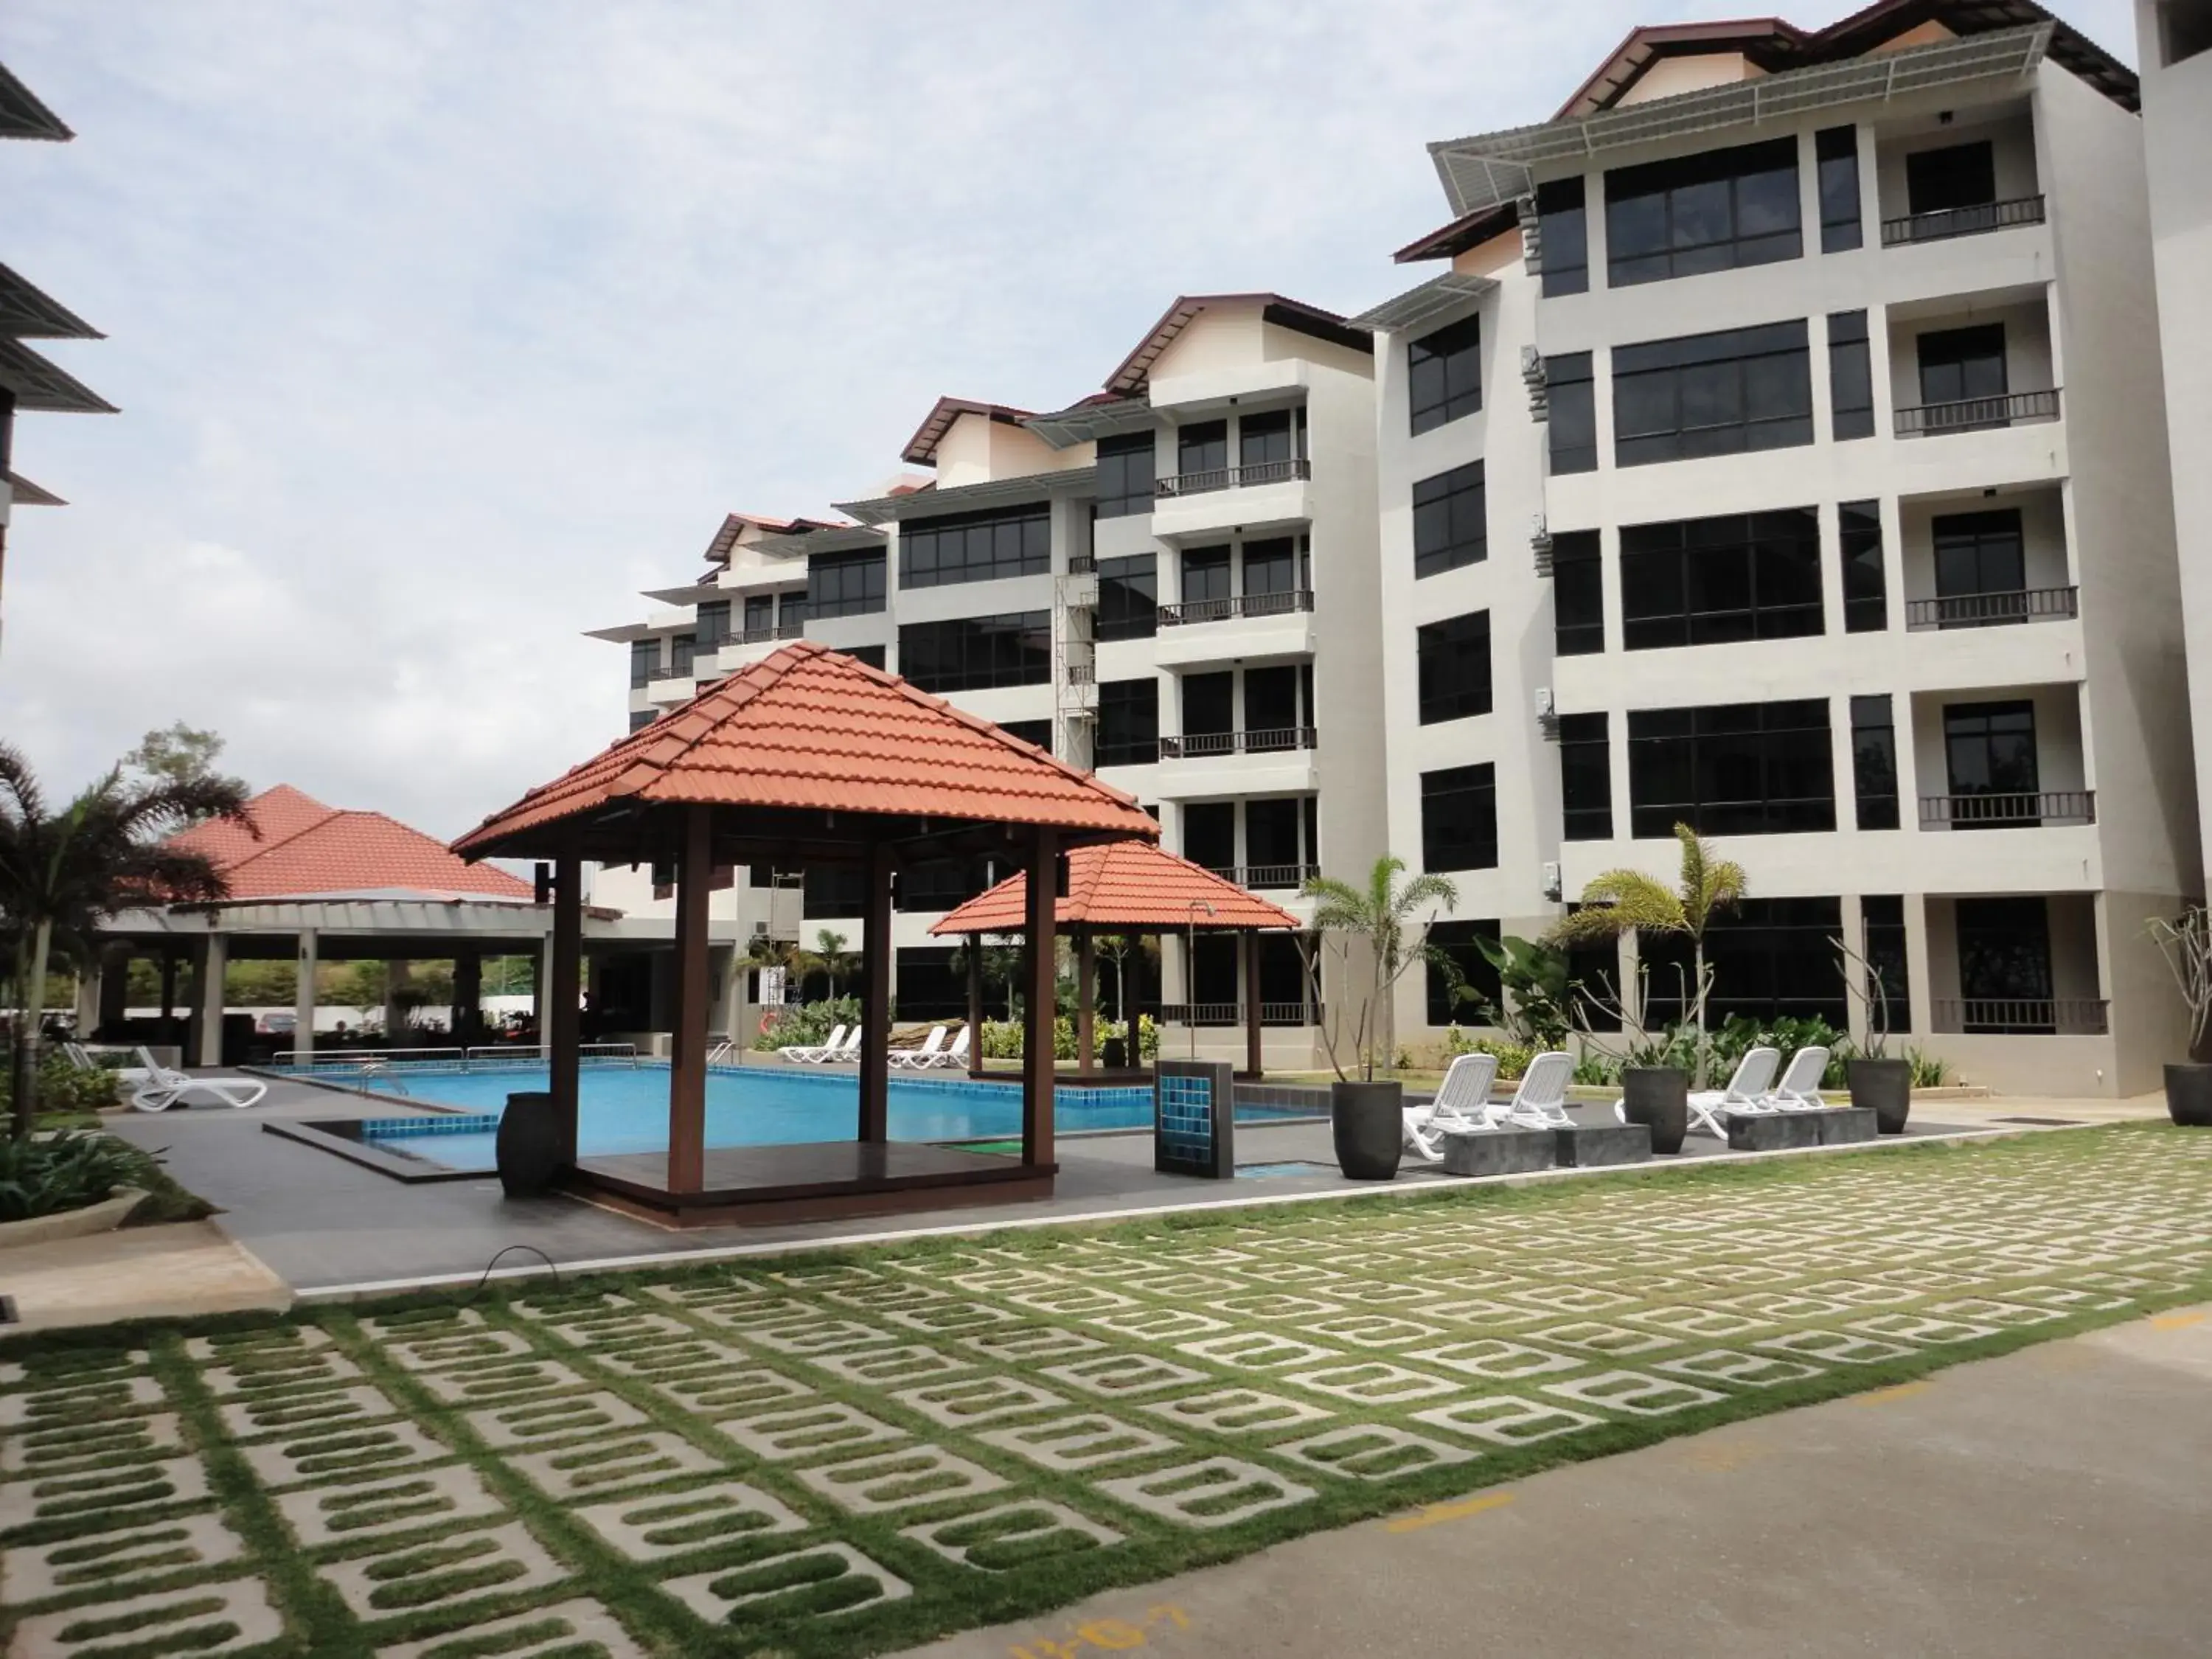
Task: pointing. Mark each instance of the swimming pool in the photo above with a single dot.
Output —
(624, 1109)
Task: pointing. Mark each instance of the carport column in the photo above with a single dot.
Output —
(168, 991)
(89, 983)
(468, 997)
(975, 1005)
(395, 1011)
(1086, 997)
(303, 999)
(559, 1024)
(214, 958)
(1037, 1014)
(1252, 1050)
(115, 989)
(687, 1068)
(876, 997)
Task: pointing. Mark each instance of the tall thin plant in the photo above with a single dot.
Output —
(2185, 942)
(1384, 918)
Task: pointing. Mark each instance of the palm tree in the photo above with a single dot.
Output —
(833, 959)
(1619, 901)
(1379, 916)
(62, 874)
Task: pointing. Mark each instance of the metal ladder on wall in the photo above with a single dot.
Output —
(1075, 661)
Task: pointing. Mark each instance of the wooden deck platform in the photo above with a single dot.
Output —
(819, 1181)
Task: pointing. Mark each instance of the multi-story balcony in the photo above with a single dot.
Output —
(1976, 371)
(1994, 412)
(2008, 809)
(2021, 1016)
(1212, 500)
(1232, 477)
(2025, 604)
(1235, 628)
(1274, 741)
(1972, 220)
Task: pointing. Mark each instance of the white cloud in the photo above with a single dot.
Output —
(441, 329)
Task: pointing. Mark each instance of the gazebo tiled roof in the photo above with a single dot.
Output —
(1126, 883)
(305, 848)
(811, 729)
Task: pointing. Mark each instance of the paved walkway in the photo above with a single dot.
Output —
(2049, 1503)
(179, 1270)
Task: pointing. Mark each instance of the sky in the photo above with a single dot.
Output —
(441, 329)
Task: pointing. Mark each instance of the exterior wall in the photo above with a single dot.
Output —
(1672, 75)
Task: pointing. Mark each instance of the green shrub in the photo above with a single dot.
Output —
(1929, 1071)
(804, 1022)
(1597, 1071)
(65, 1170)
(1002, 1038)
(65, 1088)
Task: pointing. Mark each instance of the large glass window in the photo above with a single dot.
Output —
(871, 654)
(975, 547)
(1268, 439)
(1712, 394)
(926, 985)
(1989, 748)
(1563, 228)
(1271, 566)
(2004, 960)
(1459, 819)
(1459, 993)
(1713, 211)
(1850, 376)
(1957, 364)
(641, 718)
(644, 662)
(1585, 778)
(713, 623)
(1746, 769)
(1978, 554)
(1571, 418)
(1578, 594)
(682, 647)
(1451, 524)
(1956, 176)
(1209, 834)
(1209, 703)
(1271, 707)
(1444, 374)
(1205, 575)
(1128, 597)
(1125, 474)
(1771, 958)
(1036, 732)
(1873, 763)
(834, 890)
(1713, 581)
(1271, 842)
(972, 652)
(1454, 657)
(1889, 982)
(1866, 582)
(938, 885)
(760, 615)
(844, 584)
(1837, 149)
(1203, 446)
(1128, 722)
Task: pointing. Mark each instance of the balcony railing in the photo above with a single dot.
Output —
(1082, 564)
(1962, 221)
(1977, 414)
(1232, 1014)
(1272, 741)
(1285, 602)
(1231, 477)
(2008, 811)
(1276, 877)
(789, 629)
(1992, 610)
(2025, 1016)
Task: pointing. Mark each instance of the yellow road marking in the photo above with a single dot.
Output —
(1430, 1515)
(2180, 1322)
(1902, 1391)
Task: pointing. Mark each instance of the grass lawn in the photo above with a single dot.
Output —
(850, 1452)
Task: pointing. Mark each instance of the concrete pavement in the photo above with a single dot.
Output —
(2053, 1502)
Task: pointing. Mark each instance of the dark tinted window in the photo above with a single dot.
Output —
(1712, 394)
(1958, 176)
(1271, 706)
(1837, 151)
(1978, 553)
(1873, 763)
(834, 890)
(1036, 732)
(1712, 581)
(1454, 667)
(1744, 768)
(972, 652)
(1205, 575)
(1128, 722)
(641, 718)
(1457, 995)
(1696, 213)
(681, 648)
(1991, 749)
(926, 985)
(644, 661)
(1889, 984)
(1265, 439)
(1866, 583)
(1459, 819)
(1570, 398)
(1960, 363)
(1271, 842)
(1563, 228)
(1578, 594)
(975, 547)
(871, 654)
(1449, 523)
(713, 623)
(1128, 597)
(938, 885)
(1125, 474)
(844, 584)
(1271, 566)
(1444, 374)
(1209, 703)
(1202, 447)
(1209, 834)
(1850, 376)
(1771, 959)
(760, 615)
(1585, 778)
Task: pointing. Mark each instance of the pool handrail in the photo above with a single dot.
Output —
(507, 1054)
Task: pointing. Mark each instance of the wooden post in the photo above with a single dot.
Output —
(687, 1071)
(168, 993)
(975, 1005)
(1037, 1015)
(1086, 997)
(876, 999)
(1252, 1056)
(559, 1027)
(1132, 997)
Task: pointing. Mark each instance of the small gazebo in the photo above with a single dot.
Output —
(1120, 887)
(808, 758)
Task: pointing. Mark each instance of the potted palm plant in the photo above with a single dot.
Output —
(2186, 945)
(1374, 936)
(1618, 902)
(1876, 1080)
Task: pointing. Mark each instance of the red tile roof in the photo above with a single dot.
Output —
(810, 728)
(1123, 884)
(1134, 371)
(307, 848)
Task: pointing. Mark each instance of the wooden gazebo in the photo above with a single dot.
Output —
(1120, 887)
(806, 758)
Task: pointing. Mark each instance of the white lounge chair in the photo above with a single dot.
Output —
(159, 1088)
(1462, 1102)
(952, 1056)
(915, 1059)
(1745, 1092)
(1541, 1101)
(1800, 1088)
(846, 1054)
(812, 1054)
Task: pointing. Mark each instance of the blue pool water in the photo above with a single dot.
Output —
(624, 1109)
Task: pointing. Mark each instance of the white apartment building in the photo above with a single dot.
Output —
(1781, 450)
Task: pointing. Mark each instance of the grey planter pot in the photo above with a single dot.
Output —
(1886, 1085)
(1658, 1097)
(1113, 1053)
(529, 1146)
(1368, 1122)
(2188, 1096)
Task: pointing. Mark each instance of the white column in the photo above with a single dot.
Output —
(87, 996)
(303, 997)
(214, 958)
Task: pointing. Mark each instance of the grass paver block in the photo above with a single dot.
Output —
(209, 1619)
(567, 1629)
